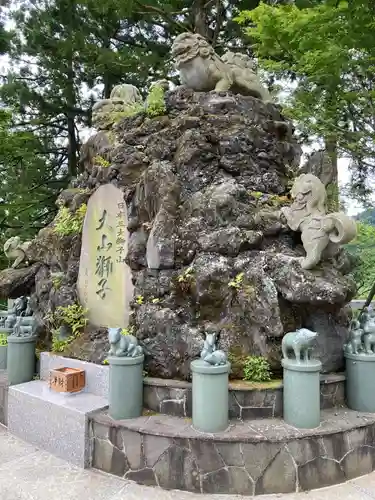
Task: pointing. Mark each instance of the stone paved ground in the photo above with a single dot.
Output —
(29, 474)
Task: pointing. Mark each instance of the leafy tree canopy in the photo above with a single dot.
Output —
(327, 50)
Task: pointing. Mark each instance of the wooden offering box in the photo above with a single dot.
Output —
(67, 379)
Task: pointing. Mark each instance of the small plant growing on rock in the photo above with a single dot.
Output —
(257, 369)
(155, 102)
(56, 282)
(105, 362)
(3, 340)
(256, 194)
(140, 300)
(237, 283)
(127, 331)
(67, 222)
(131, 110)
(102, 162)
(185, 279)
(73, 317)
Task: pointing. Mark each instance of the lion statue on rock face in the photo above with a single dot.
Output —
(320, 232)
(15, 249)
(202, 70)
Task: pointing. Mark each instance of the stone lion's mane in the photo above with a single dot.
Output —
(237, 59)
(195, 45)
(308, 182)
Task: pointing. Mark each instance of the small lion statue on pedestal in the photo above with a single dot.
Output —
(202, 70)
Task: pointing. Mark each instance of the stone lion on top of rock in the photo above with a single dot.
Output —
(202, 70)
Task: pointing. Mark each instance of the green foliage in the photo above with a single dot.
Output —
(59, 345)
(156, 102)
(186, 276)
(257, 369)
(237, 282)
(139, 300)
(67, 222)
(327, 52)
(127, 331)
(3, 339)
(105, 362)
(56, 282)
(363, 251)
(117, 116)
(102, 162)
(73, 316)
(367, 216)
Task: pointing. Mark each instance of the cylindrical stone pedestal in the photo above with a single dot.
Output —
(210, 396)
(360, 377)
(21, 359)
(125, 387)
(302, 393)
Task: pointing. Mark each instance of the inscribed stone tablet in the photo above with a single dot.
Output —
(104, 281)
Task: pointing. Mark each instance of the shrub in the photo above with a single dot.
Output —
(72, 316)
(257, 369)
(68, 222)
(3, 340)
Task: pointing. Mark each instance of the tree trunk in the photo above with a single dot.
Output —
(333, 200)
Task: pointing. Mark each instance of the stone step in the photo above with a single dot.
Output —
(252, 457)
(54, 422)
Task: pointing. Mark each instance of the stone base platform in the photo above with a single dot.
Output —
(252, 457)
(173, 397)
(54, 422)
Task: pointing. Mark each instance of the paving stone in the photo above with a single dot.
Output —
(143, 476)
(206, 455)
(133, 448)
(100, 431)
(359, 462)
(108, 458)
(154, 447)
(176, 469)
(115, 438)
(232, 480)
(234, 407)
(173, 407)
(320, 471)
(282, 466)
(231, 453)
(336, 445)
(257, 412)
(304, 450)
(150, 398)
(258, 456)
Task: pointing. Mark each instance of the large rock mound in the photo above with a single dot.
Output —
(194, 181)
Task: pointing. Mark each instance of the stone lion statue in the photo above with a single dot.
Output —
(122, 97)
(202, 70)
(320, 232)
(15, 250)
